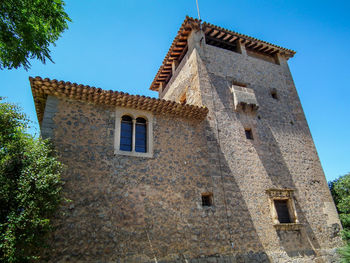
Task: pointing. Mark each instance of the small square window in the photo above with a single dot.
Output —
(249, 134)
(207, 199)
(274, 94)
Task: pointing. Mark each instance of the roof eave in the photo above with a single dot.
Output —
(41, 88)
(165, 72)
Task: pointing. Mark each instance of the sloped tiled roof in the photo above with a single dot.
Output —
(176, 51)
(178, 48)
(41, 88)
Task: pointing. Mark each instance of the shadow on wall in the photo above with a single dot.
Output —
(301, 242)
(234, 212)
(295, 243)
(195, 232)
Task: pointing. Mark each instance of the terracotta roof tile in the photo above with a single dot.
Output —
(178, 48)
(41, 88)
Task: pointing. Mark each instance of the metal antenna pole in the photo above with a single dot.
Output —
(199, 15)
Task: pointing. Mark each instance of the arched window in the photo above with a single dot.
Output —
(133, 133)
(141, 135)
(126, 133)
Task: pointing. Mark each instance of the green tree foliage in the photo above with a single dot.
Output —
(340, 189)
(27, 29)
(345, 253)
(30, 189)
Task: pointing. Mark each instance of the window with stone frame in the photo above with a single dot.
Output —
(133, 132)
(282, 209)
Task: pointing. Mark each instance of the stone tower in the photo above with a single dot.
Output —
(230, 172)
(258, 139)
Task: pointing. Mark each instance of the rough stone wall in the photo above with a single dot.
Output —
(132, 209)
(282, 155)
(185, 80)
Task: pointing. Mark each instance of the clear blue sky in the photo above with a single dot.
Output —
(120, 45)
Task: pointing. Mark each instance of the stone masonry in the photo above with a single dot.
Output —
(149, 209)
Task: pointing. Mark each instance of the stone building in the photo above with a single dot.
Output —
(221, 168)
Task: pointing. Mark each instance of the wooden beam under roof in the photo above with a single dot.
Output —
(207, 30)
(220, 35)
(220, 42)
(167, 79)
(175, 53)
(214, 33)
(227, 37)
(183, 54)
(181, 43)
(254, 45)
(264, 48)
(178, 48)
(188, 28)
(261, 47)
(251, 43)
(270, 50)
(233, 39)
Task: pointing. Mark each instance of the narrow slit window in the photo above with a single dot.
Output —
(141, 135)
(126, 134)
(274, 94)
(249, 134)
(207, 199)
(282, 211)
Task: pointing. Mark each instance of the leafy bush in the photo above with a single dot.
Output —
(30, 189)
(345, 254)
(340, 189)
